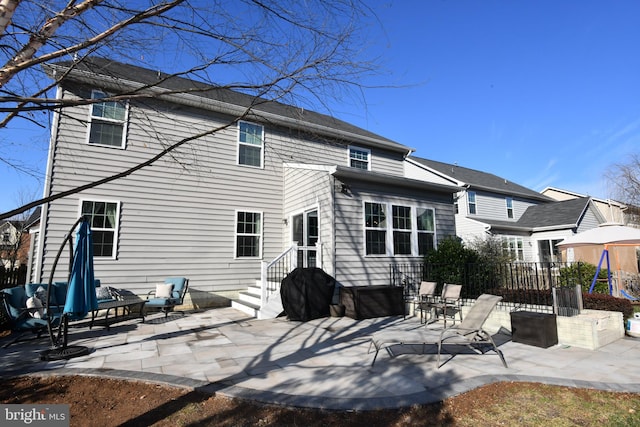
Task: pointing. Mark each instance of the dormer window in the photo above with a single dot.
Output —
(360, 158)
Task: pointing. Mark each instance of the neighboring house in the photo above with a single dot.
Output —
(627, 258)
(611, 210)
(14, 245)
(218, 209)
(528, 223)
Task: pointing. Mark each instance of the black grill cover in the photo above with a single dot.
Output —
(307, 293)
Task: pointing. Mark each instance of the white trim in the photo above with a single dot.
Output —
(389, 229)
(235, 234)
(239, 143)
(364, 150)
(124, 122)
(475, 202)
(506, 202)
(116, 228)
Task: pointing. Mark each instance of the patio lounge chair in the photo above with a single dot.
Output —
(468, 333)
(168, 295)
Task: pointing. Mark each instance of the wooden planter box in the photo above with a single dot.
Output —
(365, 302)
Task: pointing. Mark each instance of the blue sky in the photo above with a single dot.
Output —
(543, 93)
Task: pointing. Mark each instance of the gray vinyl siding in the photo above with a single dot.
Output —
(589, 221)
(177, 216)
(494, 206)
(353, 267)
(307, 189)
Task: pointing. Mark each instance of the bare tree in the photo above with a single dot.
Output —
(300, 52)
(624, 179)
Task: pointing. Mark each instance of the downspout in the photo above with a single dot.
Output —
(39, 267)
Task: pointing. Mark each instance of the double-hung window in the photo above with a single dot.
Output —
(471, 199)
(103, 217)
(509, 201)
(426, 230)
(248, 234)
(401, 230)
(360, 158)
(410, 231)
(108, 122)
(250, 144)
(375, 223)
(513, 246)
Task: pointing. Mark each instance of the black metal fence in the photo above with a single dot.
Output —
(522, 285)
(13, 277)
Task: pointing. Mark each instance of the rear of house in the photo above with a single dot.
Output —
(242, 193)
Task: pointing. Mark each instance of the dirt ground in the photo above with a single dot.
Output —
(106, 402)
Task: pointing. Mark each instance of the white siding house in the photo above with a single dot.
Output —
(218, 207)
(528, 223)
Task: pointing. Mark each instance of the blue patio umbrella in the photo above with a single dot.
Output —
(81, 295)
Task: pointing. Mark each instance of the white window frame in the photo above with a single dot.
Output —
(418, 231)
(509, 204)
(412, 226)
(474, 203)
(116, 229)
(260, 235)
(370, 228)
(353, 148)
(96, 119)
(248, 144)
(506, 240)
(390, 230)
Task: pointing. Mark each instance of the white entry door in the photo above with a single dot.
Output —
(305, 234)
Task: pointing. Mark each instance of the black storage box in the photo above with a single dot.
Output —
(365, 302)
(537, 329)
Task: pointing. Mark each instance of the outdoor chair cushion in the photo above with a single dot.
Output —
(178, 287)
(103, 293)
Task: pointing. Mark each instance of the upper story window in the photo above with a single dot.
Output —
(6, 237)
(360, 158)
(509, 201)
(471, 199)
(103, 218)
(108, 122)
(250, 144)
(248, 234)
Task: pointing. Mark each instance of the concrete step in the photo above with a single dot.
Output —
(246, 307)
(249, 297)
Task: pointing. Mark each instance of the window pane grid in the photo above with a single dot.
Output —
(401, 218)
(248, 229)
(358, 158)
(102, 217)
(107, 122)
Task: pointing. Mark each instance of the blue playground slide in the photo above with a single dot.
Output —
(627, 296)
